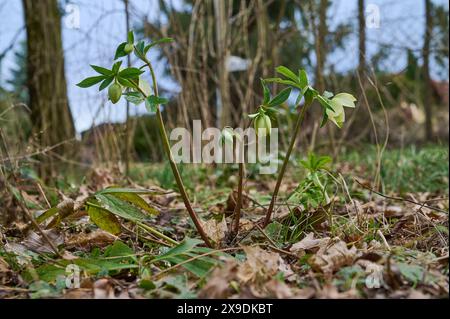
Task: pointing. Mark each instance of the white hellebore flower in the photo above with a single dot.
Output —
(337, 103)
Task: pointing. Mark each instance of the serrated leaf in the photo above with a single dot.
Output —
(119, 207)
(280, 98)
(104, 219)
(91, 81)
(287, 73)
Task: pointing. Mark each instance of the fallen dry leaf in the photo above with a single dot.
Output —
(332, 257)
(97, 238)
(36, 243)
(309, 243)
(218, 285)
(215, 230)
(278, 289)
(261, 265)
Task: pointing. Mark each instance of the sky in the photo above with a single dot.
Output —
(102, 26)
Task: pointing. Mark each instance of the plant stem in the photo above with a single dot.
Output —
(298, 124)
(157, 233)
(173, 165)
(237, 208)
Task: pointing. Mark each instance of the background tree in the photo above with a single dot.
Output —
(427, 97)
(51, 116)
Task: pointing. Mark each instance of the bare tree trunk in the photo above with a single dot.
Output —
(127, 149)
(427, 98)
(222, 55)
(52, 120)
(322, 31)
(362, 38)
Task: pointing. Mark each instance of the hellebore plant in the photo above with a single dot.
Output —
(333, 110)
(263, 125)
(129, 83)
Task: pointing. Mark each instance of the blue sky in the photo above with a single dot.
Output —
(102, 26)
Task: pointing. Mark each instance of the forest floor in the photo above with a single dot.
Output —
(131, 237)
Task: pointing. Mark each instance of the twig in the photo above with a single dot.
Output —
(2, 288)
(43, 194)
(35, 224)
(265, 235)
(384, 239)
(401, 199)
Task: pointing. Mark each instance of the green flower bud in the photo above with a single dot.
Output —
(128, 48)
(115, 92)
(263, 121)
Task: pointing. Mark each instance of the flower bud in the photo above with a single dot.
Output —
(263, 121)
(115, 92)
(128, 48)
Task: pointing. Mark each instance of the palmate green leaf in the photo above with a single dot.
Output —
(104, 219)
(120, 52)
(120, 208)
(152, 102)
(134, 97)
(91, 81)
(287, 73)
(280, 98)
(101, 70)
